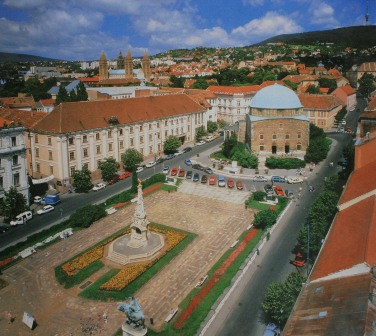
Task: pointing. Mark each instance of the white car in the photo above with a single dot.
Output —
(45, 209)
(294, 180)
(99, 186)
(202, 142)
(139, 169)
(259, 178)
(166, 170)
(151, 164)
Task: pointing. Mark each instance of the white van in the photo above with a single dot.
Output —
(22, 218)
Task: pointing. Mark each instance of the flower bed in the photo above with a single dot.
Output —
(151, 189)
(131, 272)
(6, 261)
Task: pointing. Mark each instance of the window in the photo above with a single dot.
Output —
(132, 142)
(299, 136)
(15, 160)
(158, 124)
(84, 138)
(1, 182)
(70, 141)
(120, 131)
(51, 170)
(36, 138)
(140, 128)
(166, 122)
(287, 136)
(299, 146)
(49, 141)
(131, 130)
(14, 141)
(141, 140)
(274, 136)
(49, 155)
(38, 168)
(110, 147)
(261, 136)
(85, 152)
(150, 137)
(159, 135)
(166, 133)
(109, 134)
(280, 126)
(261, 148)
(16, 179)
(121, 144)
(71, 155)
(98, 149)
(37, 152)
(238, 103)
(97, 136)
(150, 149)
(150, 126)
(72, 169)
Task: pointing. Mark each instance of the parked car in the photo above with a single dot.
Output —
(99, 186)
(259, 178)
(174, 171)
(208, 170)
(22, 218)
(341, 129)
(125, 175)
(201, 142)
(181, 172)
(179, 153)
(293, 179)
(196, 177)
(204, 178)
(187, 149)
(269, 189)
(343, 163)
(189, 174)
(165, 170)
(114, 179)
(4, 228)
(169, 156)
(278, 179)
(209, 138)
(288, 193)
(151, 164)
(212, 180)
(198, 166)
(279, 191)
(188, 162)
(139, 169)
(45, 209)
(271, 330)
(230, 183)
(299, 260)
(221, 181)
(239, 185)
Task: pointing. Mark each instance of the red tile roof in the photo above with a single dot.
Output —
(26, 118)
(74, 117)
(89, 79)
(18, 102)
(367, 66)
(320, 102)
(234, 89)
(45, 102)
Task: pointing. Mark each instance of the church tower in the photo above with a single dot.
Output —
(145, 63)
(103, 67)
(120, 61)
(128, 65)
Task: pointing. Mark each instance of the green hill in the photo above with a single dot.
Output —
(12, 57)
(356, 37)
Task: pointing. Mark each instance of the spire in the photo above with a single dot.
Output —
(128, 65)
(145, 63)
(103, 56)
(103, 70)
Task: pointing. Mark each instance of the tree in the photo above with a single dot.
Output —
(366, 84)
(81, 92)
(13, 204)
(200, 132)
(222, 123)
(280, 298)
(171, 144)
(313, 89)
(200, 83)
(265, 219)
(211, 126)
(131, 158)
(62, 95)
(176, 82)
(134, 181)
(72, 96)
(82, 179)
(229, 145)
(87, 215)
(109, 168)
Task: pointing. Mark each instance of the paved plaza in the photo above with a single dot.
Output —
(33, 288)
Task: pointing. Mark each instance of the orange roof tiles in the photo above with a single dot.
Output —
(89, 79)
(79, 116)
(323, 102)
(18, 102)
(234, 89)
(50, 101)
(26, 118)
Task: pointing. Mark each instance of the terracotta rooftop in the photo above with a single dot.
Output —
(26, 118)
(18, 102)
(78, 116)
(234, 89)
(371, 105)
(367, 66)
(50, 101)
(320, 102)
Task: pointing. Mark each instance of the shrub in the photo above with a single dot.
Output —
(157, 178)
(265, 218)
(284, 163)
(87, 215)
(258, 195)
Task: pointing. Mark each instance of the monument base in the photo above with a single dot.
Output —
(129, 331)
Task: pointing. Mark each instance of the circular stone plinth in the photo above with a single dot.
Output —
(129, 331)
(120, 252)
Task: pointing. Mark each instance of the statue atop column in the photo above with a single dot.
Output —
(139, 228)
(134, 324)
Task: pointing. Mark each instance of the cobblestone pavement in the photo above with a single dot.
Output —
(59, 312)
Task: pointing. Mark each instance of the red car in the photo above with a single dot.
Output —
(181, 173)
(124, 175)
(239, 185)
(230, 183)
(299, 260)
(212, 180)
(279, 191)
(114, 179)
(174, 171)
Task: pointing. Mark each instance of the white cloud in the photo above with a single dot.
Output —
(254, 3)
(322, 14)
(269, 25)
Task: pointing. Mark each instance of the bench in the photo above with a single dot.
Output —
(110, 211)
(201, 281)
(66, 233)
(234, 243)
(171, 315)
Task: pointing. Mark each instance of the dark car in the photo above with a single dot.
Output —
(198, 166)
(269, 189)
(343, 163)
(208, 170)
(189, 174)
(4, 228)
(169, 156)
(114, 179)
(187, 149)
(196, 177)
(204, 179)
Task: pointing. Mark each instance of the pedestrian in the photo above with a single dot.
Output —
(331, 164)
(105, 317)
(9, 317)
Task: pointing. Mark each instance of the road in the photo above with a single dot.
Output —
(241, 314)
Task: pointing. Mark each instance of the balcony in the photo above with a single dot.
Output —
(10, 150)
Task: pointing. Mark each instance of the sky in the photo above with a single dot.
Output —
(80, 29)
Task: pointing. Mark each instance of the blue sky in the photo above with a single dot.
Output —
(81, 29)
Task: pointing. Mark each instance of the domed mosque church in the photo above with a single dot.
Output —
(124, 71)
(277, 124)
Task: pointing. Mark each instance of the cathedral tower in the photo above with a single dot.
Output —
(103, 67)
(128, 65)
(145, 63)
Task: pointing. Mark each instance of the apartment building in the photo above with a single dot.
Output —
(81, 134)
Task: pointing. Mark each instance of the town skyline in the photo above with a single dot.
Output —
(80, 30)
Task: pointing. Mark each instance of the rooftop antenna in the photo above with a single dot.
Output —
(367, 16)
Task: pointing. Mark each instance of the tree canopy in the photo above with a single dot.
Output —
(131, 158)
(367, 84)
(211, 126)
(171, 144)
(13, 204)
(108, 167)
(82, 179)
